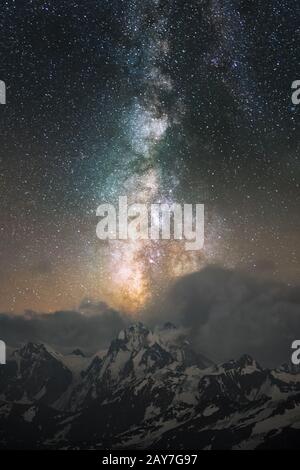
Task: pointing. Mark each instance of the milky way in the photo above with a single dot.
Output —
(137, 270)
(135, 267)
(161, 101)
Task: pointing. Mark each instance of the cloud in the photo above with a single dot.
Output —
(65, 330)
(91, 307)
(228, 313)
(223, 313)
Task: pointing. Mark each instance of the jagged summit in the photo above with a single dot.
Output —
(149, 388)
(247, 361)
(33, 351)
(169, 326)
(77, 352)
(31, 348)
(165, 341)
(134, 331)
(36, 373)
(133, 338)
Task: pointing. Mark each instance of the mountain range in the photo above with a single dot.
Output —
(149, 390)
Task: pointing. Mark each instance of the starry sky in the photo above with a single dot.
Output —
(159, 100)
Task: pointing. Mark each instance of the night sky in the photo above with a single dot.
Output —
(173, 101)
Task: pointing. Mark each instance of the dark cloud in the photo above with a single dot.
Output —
(224, 313)
(90, 307)
(228, 313)
(65, 330)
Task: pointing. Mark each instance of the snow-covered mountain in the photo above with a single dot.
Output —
(134, 358)
(34, 373)
(148, 390)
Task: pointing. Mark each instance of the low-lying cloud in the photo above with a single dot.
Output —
(229, 313)
(65, 330)
(224, 313)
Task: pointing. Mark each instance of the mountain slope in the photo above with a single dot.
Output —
(135, 356)
(148, 390)
(34, 373)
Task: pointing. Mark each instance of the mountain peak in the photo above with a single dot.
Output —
(136, 328)
(169, 326)
(30, 349)
(39, 374)
(245, 364)
(247, 360)
(134, 336)
(77, 352)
